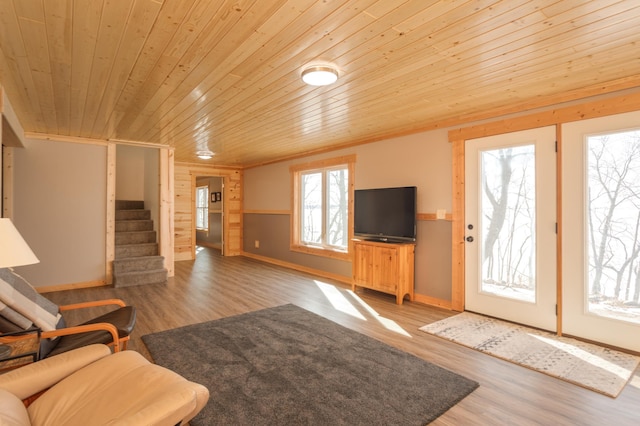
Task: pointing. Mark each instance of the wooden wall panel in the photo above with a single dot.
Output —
(111, 212)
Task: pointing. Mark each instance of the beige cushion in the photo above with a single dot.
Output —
(12, 410)
(120, 389)
(33, 378)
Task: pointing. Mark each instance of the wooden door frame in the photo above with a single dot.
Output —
(165, 206)
(225, 220)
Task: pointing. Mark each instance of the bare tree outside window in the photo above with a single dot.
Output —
(337, 220)
(613, 225)
(508, 222)
(311, 208)
(324, 208)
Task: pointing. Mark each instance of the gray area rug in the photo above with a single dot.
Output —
(591, 366)
(288, 366)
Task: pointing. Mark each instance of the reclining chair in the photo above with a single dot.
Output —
(23, 308)
(92, 386)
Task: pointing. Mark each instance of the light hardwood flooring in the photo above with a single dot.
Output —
(213, 287)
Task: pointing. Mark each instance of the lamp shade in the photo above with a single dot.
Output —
(14, 250)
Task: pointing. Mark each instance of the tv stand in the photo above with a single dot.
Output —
(384, 266)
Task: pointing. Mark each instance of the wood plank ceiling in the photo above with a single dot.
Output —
(225, 75)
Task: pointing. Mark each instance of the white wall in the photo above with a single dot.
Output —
(267, 187)
(138, 177)
(130, 172)
(60, 210)
(151, 183)
(423, 160)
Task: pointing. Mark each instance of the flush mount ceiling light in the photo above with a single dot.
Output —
(205, 155)
(319, 75)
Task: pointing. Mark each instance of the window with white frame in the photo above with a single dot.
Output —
(202, 208)
(322, 212)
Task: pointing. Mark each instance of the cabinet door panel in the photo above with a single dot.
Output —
(386, 263)
(363, 264)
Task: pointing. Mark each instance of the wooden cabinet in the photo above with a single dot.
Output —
(385, 267)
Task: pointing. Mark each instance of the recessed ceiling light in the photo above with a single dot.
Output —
(205, 155)
(319, 75)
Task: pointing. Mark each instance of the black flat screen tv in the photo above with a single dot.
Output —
(385, 214)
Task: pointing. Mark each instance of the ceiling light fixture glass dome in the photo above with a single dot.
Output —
(205, 155)
(319, 75)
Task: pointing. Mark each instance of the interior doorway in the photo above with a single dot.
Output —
(209, 212)
(141, 173)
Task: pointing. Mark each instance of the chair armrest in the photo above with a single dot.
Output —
(33, 378)
(92, 304)
(178, 405)
(100, 326)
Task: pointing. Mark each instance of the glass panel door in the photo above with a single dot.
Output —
(601, 230)
(510, 212)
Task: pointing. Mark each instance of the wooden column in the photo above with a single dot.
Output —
(457, 228)
(166, 225)
(111, 212)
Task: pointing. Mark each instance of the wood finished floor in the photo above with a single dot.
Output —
(213, 287)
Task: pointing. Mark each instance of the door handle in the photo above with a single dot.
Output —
(469, 239)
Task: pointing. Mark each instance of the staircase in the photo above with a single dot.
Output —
(136, 249)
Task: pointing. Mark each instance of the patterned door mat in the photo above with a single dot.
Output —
(591, 366)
